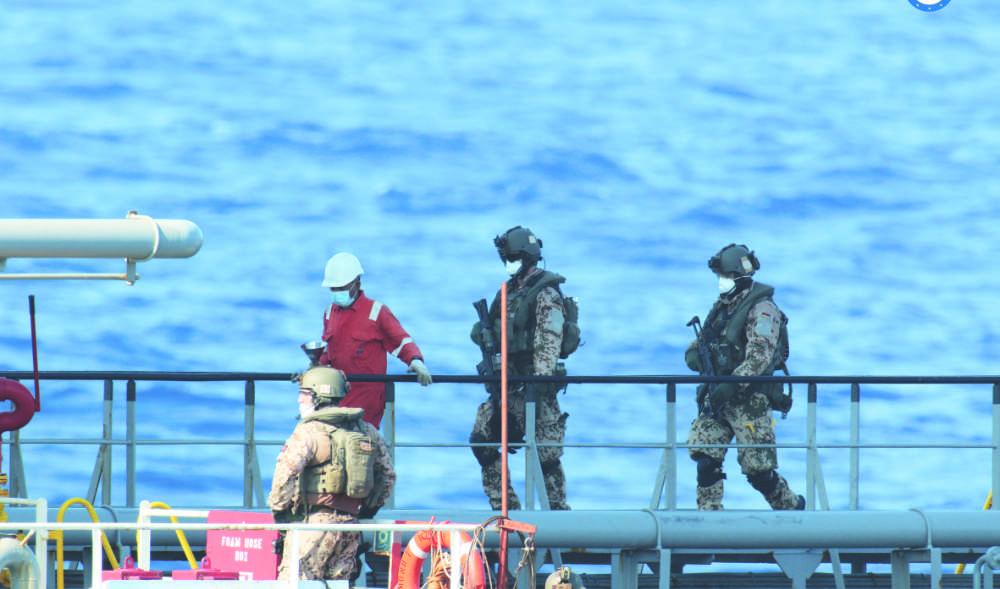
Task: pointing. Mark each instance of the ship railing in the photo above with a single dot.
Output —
(664, 492)
(41, 530)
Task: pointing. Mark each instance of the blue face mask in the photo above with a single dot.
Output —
(341, 298)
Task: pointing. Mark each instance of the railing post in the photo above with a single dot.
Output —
(996, 444)
(812, 453)
(667, 472)
(855, 442)
(106, 449)
(531, 451)
(671, 458)
(250, 477)
(130, 447)
(101, 476)
(389, 432)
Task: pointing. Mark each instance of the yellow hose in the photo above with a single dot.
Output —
(989, 504)
(180, 537)
(60, 576)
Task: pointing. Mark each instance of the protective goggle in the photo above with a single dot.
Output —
(500, 241)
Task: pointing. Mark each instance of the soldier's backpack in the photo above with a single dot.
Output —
(351, 470)
(571, 326)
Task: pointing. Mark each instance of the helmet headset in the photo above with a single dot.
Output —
(734, 264)
(519, 243)
(734, 259)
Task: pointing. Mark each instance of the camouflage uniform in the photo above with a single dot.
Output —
(550, 421)
(746, 416)
(325, 554)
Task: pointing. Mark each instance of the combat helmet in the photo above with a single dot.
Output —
(328, 385)
(564, 578)
(519, 243)
(736, 259)
(341, 270)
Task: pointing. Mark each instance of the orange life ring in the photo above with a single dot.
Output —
(420, 546)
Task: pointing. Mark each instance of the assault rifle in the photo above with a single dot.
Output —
(490, 351)
(707, 367)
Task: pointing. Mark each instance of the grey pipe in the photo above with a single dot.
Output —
(684, 529)
(136, 238)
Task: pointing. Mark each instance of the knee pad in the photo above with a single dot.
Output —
(548, 467)
(765, 482)
(709, 471)
(485, 456)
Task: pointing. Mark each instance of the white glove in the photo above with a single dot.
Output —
(423, 375)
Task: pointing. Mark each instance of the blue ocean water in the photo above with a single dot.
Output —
(853, 146)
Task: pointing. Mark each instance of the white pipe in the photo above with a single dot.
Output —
(138, 238)
(24, 570)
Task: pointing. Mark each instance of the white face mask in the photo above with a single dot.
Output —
(726, 285)
(513, 267)
(305, 406)
(341, 298)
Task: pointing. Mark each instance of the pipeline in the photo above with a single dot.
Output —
(137, 237)
(688, 529)
(21, 562)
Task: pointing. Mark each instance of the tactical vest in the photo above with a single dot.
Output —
(724, 332)
(521, 319)
(351, 468)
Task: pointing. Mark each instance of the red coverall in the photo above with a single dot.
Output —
(357, 340)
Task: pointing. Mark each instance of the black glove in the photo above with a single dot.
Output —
(279, 544)
(367, 512)
(691, 357)
(284, 516)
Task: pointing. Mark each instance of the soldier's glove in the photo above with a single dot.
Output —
(285, 516)
(476, 335)
(700, 394)
(367, 512)
(279, 544)
(423, 375)
(691, 357)
(721, 394)
(296, 376)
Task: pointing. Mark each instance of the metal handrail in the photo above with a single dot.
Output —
(253, 481)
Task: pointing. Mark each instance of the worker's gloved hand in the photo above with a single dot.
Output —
(721, 394)
(423, 375)
(367, 512)
(691, 357)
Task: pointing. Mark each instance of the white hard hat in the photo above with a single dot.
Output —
(341, 269)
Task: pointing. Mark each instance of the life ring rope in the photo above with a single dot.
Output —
(430, 543)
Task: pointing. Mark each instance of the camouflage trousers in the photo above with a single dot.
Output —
(324, 554)
(747, 418)
(550, 428)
